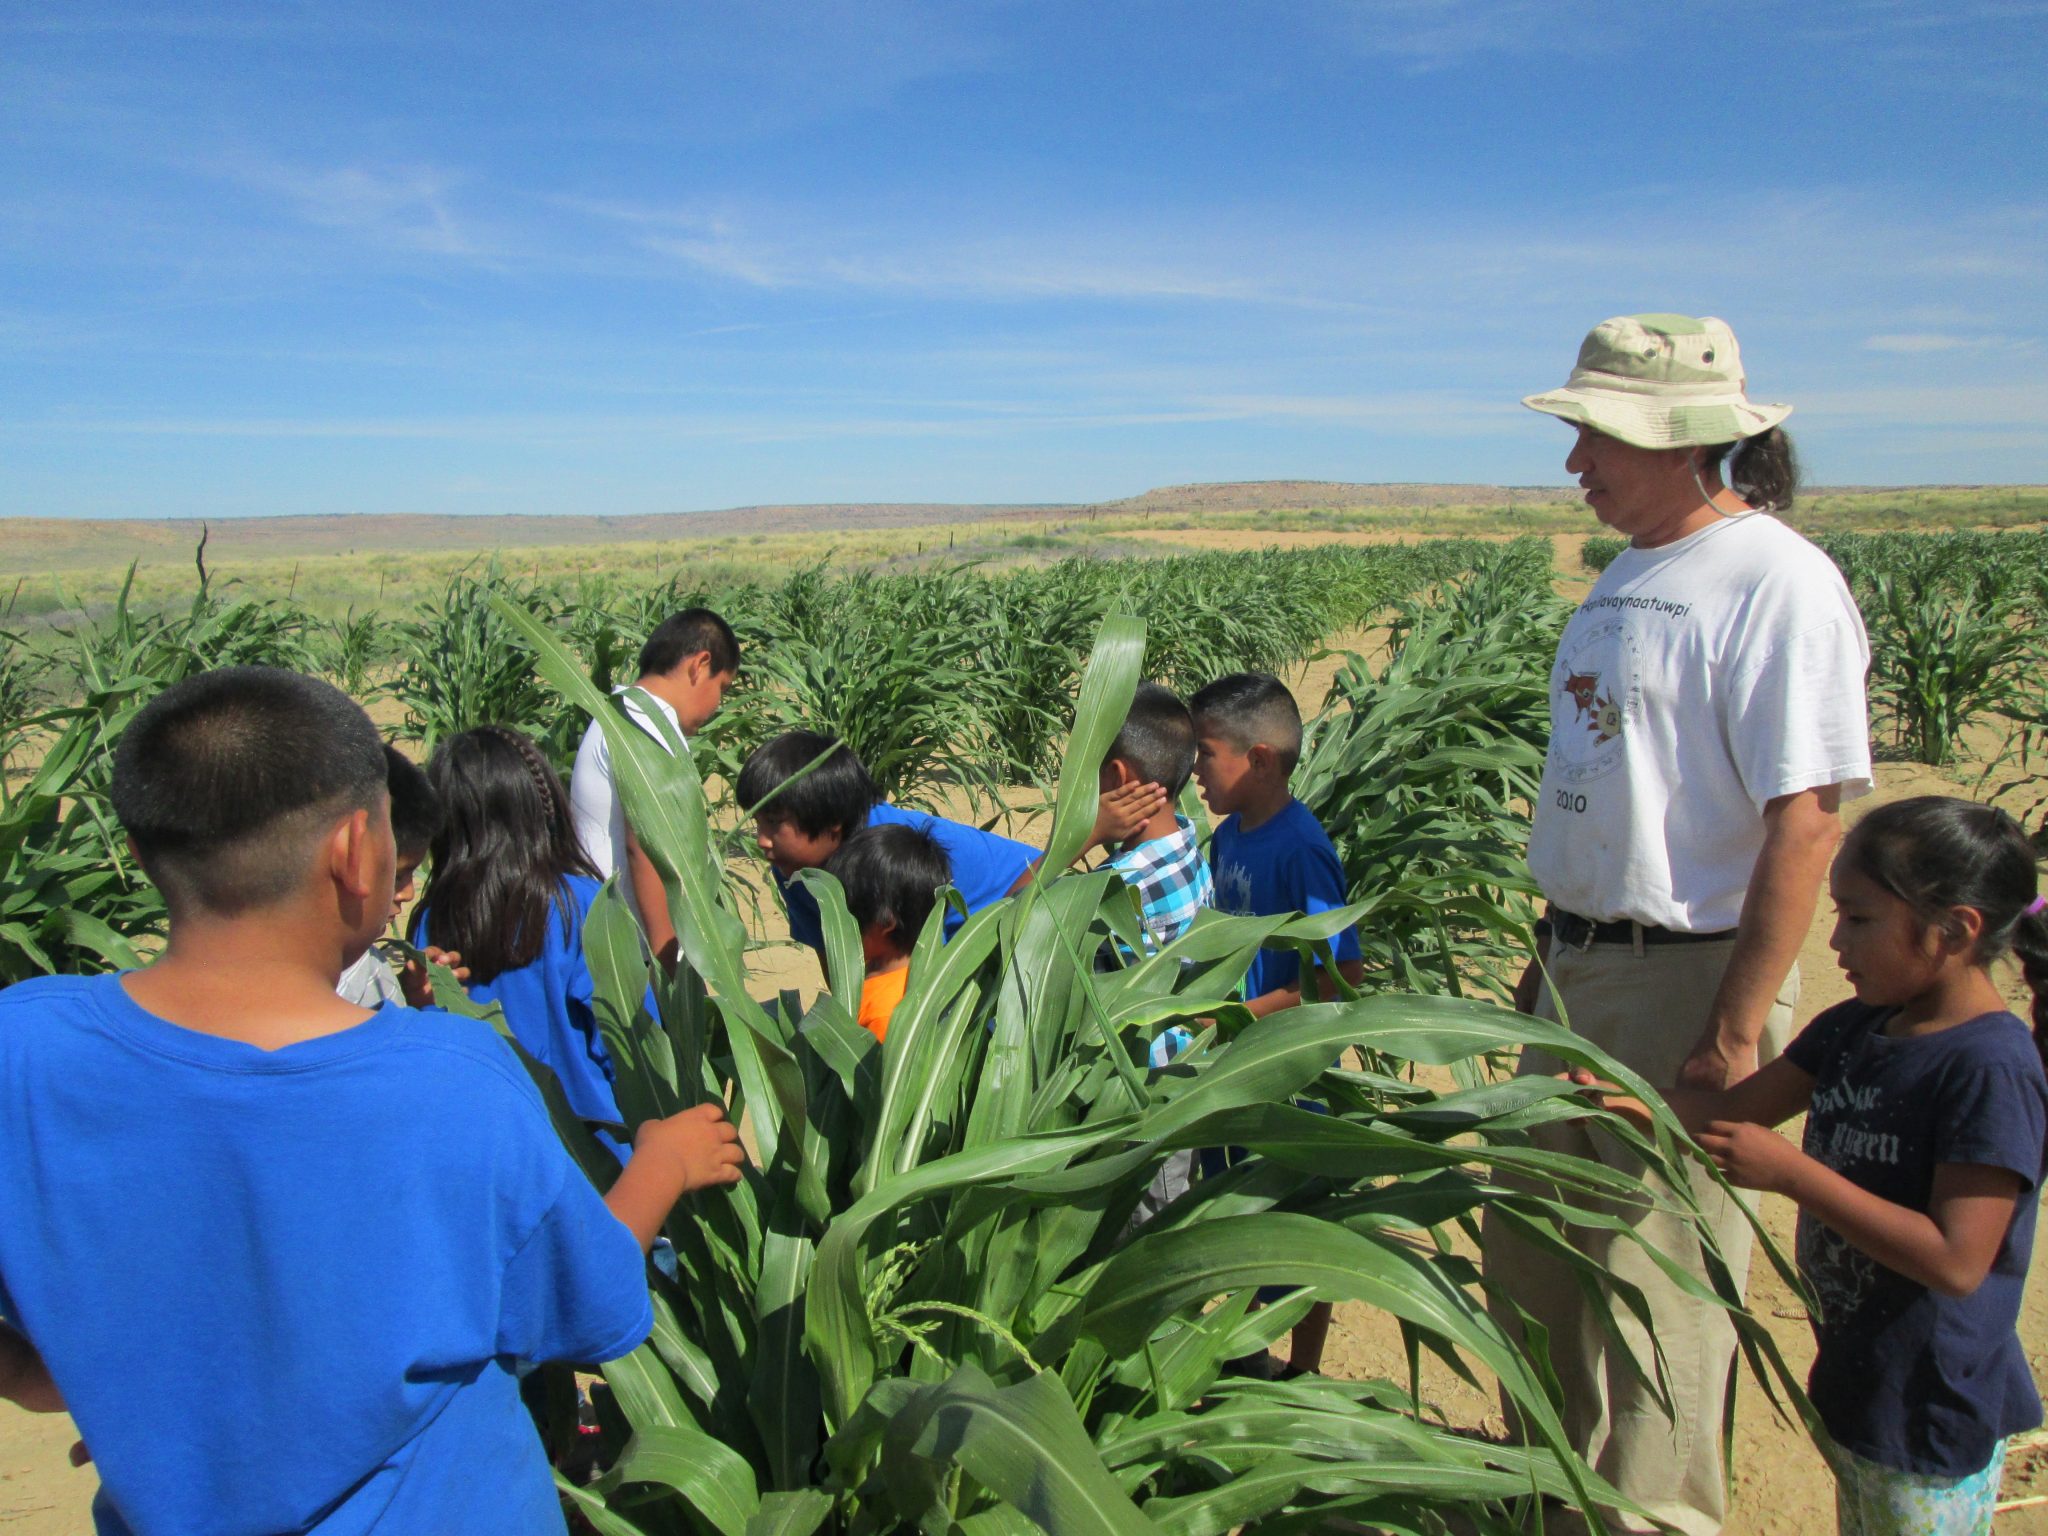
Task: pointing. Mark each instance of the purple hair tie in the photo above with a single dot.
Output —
(2036, 907)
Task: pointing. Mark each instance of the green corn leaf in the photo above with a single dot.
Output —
(1025, 1443)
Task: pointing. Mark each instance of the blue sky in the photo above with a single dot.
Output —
(621, 258)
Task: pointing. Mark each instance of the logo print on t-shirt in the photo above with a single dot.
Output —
(1233, 889)
(1600, 716)
(1595, 694)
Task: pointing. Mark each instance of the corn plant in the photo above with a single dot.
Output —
(351, 648)
(460, 667)
(1423, 773)
(932, 1303)
(1940, 660)
(72, 900)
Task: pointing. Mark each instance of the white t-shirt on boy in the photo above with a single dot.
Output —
(1697, 682)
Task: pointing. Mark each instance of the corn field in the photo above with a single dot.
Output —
(934, 1303)
(946, 680)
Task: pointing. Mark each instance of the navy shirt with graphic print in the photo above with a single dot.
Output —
(1905, 1377)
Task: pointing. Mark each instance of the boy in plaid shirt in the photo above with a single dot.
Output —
(1163, 860)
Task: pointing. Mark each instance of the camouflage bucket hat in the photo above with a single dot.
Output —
(1660, 381)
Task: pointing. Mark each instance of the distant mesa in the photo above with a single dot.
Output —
(45, 544)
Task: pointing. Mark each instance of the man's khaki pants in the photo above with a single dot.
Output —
(1646, 1006)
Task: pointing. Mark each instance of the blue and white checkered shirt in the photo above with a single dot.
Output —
(1172, 879)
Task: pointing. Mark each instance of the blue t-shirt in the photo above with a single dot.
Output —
(1286, 864)
(1905, 1377)
(282, 1290)
(548, 1005)
(985, 866)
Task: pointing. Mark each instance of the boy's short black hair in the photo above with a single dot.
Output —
(891, 875)
(1158, 739)
(224, 779)
(835, 796)
(417, 814)
(1251, 709)
(682, 635)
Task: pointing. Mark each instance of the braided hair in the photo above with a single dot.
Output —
(1935, 854)
(500, 860)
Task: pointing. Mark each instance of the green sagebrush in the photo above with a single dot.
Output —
(931, 1305)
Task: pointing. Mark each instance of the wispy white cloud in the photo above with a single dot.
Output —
(401, 207)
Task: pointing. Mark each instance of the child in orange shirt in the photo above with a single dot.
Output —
(892, 875)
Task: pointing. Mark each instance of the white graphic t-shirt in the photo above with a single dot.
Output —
(1697, 682)
(594, 804)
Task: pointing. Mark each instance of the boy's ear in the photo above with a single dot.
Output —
(1116, 773)
(352, 854)
(1262, 757)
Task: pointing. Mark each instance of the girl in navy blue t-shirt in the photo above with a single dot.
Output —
(1918, 1181)
(509, 890)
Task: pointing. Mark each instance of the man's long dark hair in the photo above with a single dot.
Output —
(502, 856)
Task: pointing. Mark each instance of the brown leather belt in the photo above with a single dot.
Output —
(1577, 932)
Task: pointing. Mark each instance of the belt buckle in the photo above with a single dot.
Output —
(1576, 931)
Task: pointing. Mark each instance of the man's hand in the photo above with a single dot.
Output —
(1753, 1156)
(1714, 1066)
(418, 986)
(1121, 812)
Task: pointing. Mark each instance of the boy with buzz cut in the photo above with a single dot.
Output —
(891, 876)
(349, 1225)
(1269, 855)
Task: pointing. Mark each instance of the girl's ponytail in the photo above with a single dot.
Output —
(2030, 948)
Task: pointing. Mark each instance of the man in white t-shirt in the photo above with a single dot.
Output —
(685, 668)
(1707, 720)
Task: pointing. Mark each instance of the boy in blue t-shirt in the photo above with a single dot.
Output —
(337, 1229)
(1269, 854)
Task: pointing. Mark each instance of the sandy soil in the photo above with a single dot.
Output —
(1782, 1488)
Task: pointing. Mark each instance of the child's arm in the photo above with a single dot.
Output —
(24, 1379)
(697, 1149)
(1353, 971)
(1948, 1248)
(1121, 813)
(1769, 1097)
